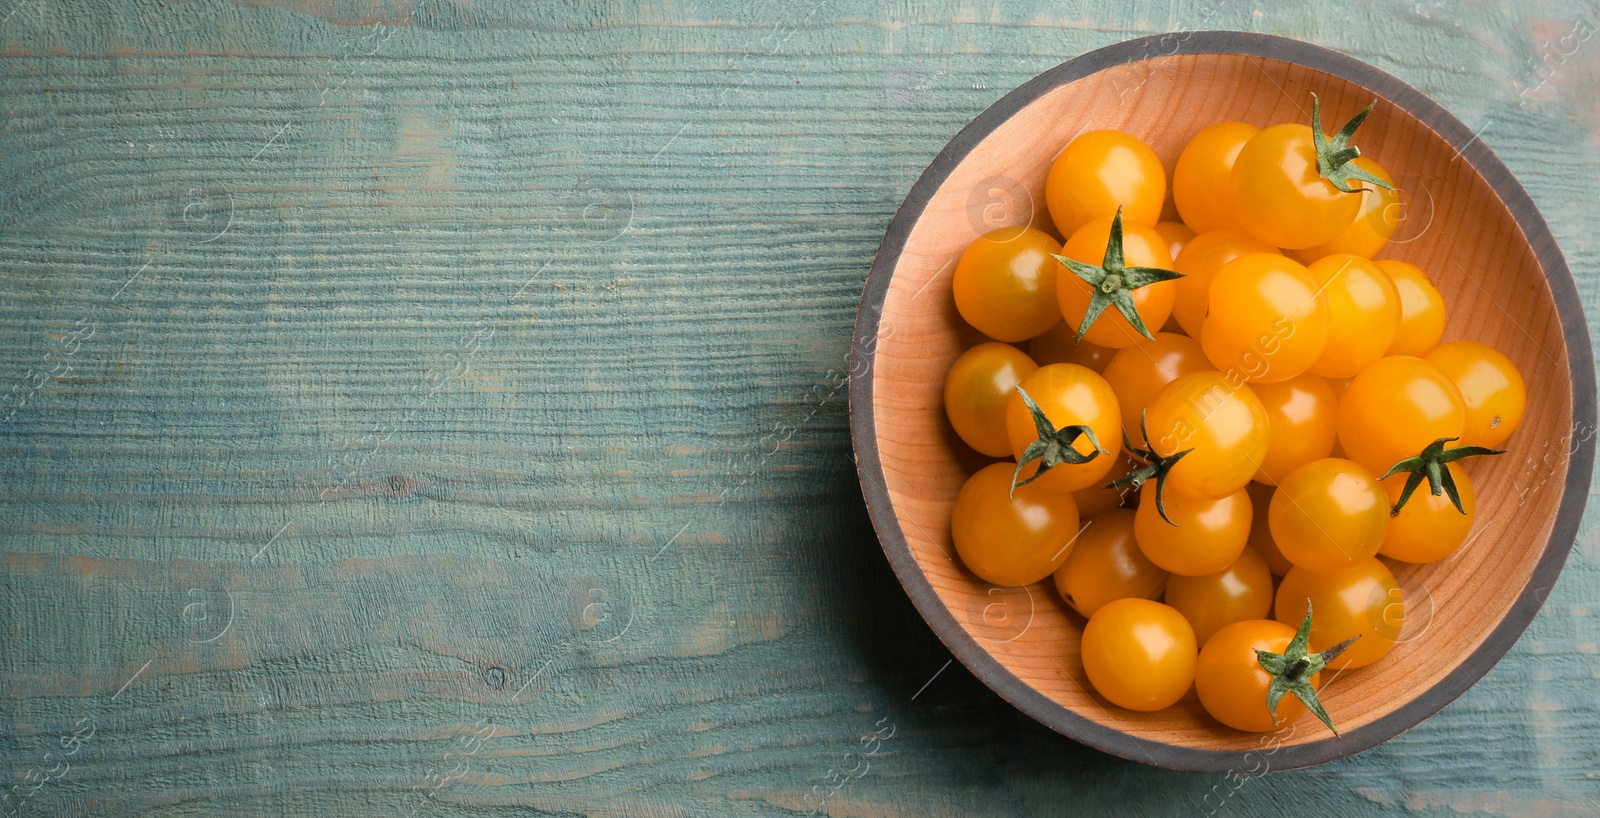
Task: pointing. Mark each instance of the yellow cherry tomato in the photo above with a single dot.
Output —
(1069, 395)
(1057, 346)
(1099, 172)
(1239, 592)
(1329, 515)
(1363, 313)
(1261, 529)
(976, 391)
(1138, 374)
(1199, 262)
(1279, 195)
(1490, 386)
(1141, 247)
(1374, 224)
(1364, 599)
(1428, 527)
(1233, 686)
(1105, 565)
(1208, 536)
(1225, 425)
(1396, 407)
(1422, 311)
(1139, 654)
(1202, 185)
(1301, 412)
(1177, 235)
(1098, 499)
(1011, 539)
(1005, 283)
(1268, 321)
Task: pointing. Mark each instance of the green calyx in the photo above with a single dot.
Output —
(1053, 447)
(1292, 671)
(1431, 464)
(1114, 282)
(1336, 156)
(1156, 466)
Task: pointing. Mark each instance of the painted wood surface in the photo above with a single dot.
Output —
(437, 408)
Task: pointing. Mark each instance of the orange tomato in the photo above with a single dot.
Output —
(1099, 172)
(976, 391)
(1141, 247)
(1205, 536)
(1490, 386)
(1279, 195)
(1269, 321)
(1302, 415)
(1139, 654)
(1364, 600)
(1202, 180)
(1233, 686)
(1428, 527)
(1105, 565)
(1199, 262)
(1138, 374)
(1329, 515)
(1011, 539)
(1363, 313)
(1241, 591)
(1422, 312)
(1005, 283)
(1395, 408)
(1224, 424)
(1374, 224)
(1069, 395)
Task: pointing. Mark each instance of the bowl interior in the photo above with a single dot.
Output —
(1456, 228)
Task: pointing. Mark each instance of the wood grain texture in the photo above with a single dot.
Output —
(408, 340)
(909, 333)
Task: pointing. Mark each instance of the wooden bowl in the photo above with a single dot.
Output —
(1484, 243)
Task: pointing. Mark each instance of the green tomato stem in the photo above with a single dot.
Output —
(1113, 282)
(1432, 464)
(1156, 466)
(1053, 446)
(1292, 671)
(1335, 154)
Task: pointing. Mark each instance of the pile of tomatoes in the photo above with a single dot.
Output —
(1213, 429)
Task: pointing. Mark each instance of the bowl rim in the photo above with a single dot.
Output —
(1580, 360)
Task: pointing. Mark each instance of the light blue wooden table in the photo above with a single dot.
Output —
(437, 408)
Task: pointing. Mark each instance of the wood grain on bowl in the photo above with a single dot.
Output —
(1469, 224)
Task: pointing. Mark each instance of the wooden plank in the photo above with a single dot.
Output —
(409, 339)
